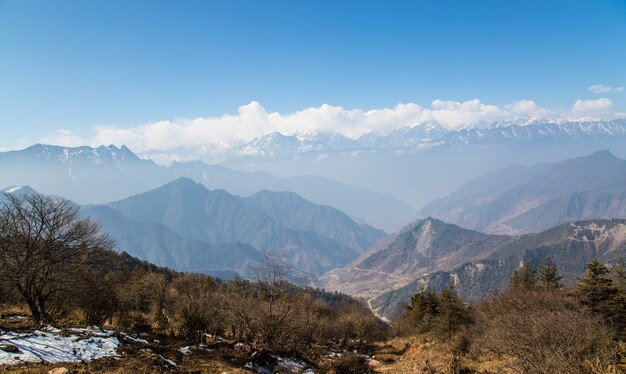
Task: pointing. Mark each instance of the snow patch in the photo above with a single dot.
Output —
(51, 346)
(13, 189)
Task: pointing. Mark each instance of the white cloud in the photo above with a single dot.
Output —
(620, 115)
(600, 88)
(253, 120)
(528, 108)
(64, 137)
(598, 107)
(456, 115)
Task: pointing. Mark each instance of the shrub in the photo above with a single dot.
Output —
(545, 331)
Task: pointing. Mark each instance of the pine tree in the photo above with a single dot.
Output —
(524, 277)
(423, 308)
(619, 278)
(549, 275)
(597, 291)
(452, 313)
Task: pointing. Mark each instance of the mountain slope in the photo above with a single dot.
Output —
(82, 174)
(158, 244)
(194, 212)
(571, 246)
(292, 211)
(420, 248)
(528, 199)
(376, 209)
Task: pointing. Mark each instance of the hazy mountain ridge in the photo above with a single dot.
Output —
(194, 212)
(377, 209)
(187, 227)
(529, 199)
(293, 211)
(571, 246)
(403, 167)
(99, 175)
(158, 244)
(82, 174)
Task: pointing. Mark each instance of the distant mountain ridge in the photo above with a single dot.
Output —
(80, 173)
(425, 135)
(528, 199)
(103, 174)
(185, 226)
(158, 244)
(159, 224)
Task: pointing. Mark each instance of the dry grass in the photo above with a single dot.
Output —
(422, 355)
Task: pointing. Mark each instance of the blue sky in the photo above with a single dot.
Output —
(72, 65)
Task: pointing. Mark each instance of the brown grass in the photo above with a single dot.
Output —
(423, 355)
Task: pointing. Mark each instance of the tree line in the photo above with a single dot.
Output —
(538, 324)
(63, 269)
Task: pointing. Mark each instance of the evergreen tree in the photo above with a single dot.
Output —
(423, 308)
(619, 278)
(549, 275)
(597, 291)
(524, 277)
(452, 313)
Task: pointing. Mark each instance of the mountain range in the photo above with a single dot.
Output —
(425, 162)
(480, 233)
(519, 199)
(420, 248)
(430, 253)
(571, 246)
(417, 137)
(99, 175)
(185, 226)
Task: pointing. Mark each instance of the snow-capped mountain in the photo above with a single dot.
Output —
(404, 162)
(414, 138)
(80, 173)
(538, 130)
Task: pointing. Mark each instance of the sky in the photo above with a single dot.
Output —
(156, 74)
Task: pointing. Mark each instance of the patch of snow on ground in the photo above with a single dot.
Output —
(52, 347)
(283, 365)
(136, 339)
(185, 350)
(290, 365)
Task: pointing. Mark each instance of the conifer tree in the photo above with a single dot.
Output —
(597, 291)
(423, 308)
(549, 275)
(619, 278)
(452, 313)
(524, 277)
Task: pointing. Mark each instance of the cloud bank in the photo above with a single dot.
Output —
(253, 120)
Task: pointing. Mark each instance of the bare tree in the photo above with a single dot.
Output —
(42, 242)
